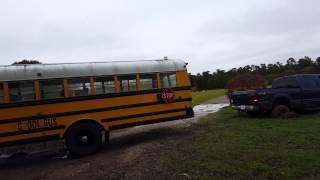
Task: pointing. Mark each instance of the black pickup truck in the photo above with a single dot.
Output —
(289, 93)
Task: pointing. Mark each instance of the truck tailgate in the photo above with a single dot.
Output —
(242, 97)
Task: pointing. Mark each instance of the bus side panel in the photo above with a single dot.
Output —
(28, 112)
(54, 119)
(183, 78)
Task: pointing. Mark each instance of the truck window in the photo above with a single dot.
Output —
(309, 82)
(286, 82)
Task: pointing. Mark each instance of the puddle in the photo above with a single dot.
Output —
(204, 109)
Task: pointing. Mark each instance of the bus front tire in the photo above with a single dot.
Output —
(84, 139)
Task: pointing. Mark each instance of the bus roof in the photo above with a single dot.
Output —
(67, 70)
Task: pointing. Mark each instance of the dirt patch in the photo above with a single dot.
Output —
(127, 157)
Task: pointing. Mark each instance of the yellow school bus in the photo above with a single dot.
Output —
(82, 102)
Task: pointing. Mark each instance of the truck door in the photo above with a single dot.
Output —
(289, 86)
(310, 91)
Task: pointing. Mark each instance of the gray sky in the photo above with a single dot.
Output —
(209, 34)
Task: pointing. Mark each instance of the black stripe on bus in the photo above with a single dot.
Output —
(15, 133)
(143, 115)
(30, 140)
(127, 125)
(84, 98)
(15, 120)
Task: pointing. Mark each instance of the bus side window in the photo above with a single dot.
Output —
(51, 89)
(128, 83)
(168, 80)
(104, 85)
(78, 87)
(21, 91)
(148, 81)
(1, 93)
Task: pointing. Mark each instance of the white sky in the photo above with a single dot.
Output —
(209, 34)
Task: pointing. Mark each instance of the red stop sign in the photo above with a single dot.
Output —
(167, 95)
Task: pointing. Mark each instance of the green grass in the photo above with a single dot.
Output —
(228, 146)
(203, 96)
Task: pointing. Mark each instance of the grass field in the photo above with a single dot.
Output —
(225, 145)
(203, 96)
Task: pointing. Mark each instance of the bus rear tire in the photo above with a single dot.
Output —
(84, 139)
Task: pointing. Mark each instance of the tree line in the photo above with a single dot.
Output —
(220, 78)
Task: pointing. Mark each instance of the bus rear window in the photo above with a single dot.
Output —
(168, 80)
(128, 83)
(104, 85)
(78, 87)
(21, 91)
(1, 94)
(51, 89)
(148, 81)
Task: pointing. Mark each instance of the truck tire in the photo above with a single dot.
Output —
(279, 111)
(84, 139)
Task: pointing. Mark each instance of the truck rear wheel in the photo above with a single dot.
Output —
(279, 111)
(84, 139)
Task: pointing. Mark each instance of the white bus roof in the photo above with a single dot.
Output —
(67, 70)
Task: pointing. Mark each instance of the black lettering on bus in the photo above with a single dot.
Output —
(33, 124)
(20, 125)
(50, 122)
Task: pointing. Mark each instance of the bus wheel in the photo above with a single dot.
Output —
(84, 139)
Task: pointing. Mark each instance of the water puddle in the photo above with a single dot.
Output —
(204, 109)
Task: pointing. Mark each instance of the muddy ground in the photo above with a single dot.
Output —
(132, 154)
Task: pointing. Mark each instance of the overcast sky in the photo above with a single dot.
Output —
(209, 34)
